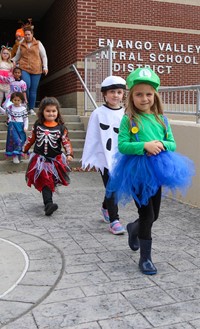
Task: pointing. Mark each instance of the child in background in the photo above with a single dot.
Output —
(6, 77)
(48, 165)
(101, 142)
(19, 39)
(17, 126)
(16, 85)
(148, 161)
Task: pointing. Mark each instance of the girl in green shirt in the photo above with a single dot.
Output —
(147, 161)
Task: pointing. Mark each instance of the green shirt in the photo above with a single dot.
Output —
(149, 129)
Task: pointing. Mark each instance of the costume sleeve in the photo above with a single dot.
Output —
(66, 143)
(3, 79)
(92, 145)
(23, 86)
(2, 110)
(30, 140)
(43, 56)
(14, 49)
(7, 80)
(169, 142)
(11, 79)
(125, 143)
(17, 56)
(25, 120)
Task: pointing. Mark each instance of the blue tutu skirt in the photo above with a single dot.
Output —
(139, 177)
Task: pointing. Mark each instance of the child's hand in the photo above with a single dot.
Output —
(160, 144)
(25, 156)
(154, 147)
(25, 129)
(69, 158)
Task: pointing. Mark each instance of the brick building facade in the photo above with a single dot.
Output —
(162, 34)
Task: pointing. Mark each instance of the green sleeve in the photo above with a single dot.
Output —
(169, 143)
(127, 143)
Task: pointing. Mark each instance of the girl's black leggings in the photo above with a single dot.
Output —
(109, 203)
(147, 215)
(47, 195)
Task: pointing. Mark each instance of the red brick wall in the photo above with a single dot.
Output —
(159, 14)
(59, 35)
(86, 31)
(69, 32)
(148, 12)
(86, 27)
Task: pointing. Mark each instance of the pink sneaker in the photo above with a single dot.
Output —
(105, 214)
(116, 228)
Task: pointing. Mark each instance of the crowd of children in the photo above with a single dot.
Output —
(132, 147)
(17, 94)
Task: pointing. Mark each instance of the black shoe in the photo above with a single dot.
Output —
(146, 265)
(50, 208)
(133, 240)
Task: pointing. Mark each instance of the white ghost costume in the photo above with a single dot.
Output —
(101, 141)
(101, 144)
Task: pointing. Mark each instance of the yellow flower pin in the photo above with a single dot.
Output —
(134, 130)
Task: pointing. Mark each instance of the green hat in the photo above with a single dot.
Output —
(143, 75)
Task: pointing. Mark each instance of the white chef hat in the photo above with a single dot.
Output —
(113, 82)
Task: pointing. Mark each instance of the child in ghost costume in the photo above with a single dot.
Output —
(101, 143)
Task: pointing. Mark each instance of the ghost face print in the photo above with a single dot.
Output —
(108, 140)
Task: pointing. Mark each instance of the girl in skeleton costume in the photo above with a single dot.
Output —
(48, 165)
(101, 142)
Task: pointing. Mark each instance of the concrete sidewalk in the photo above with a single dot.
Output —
(68, 271)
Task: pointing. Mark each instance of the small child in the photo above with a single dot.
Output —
(19, 39)
(16, 85)
(17, 126)
(101, 143)
(6, 67)
(48, 165)
(147, 161)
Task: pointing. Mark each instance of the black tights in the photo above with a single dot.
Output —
(47, 195)
(109, 203)
(147, 215)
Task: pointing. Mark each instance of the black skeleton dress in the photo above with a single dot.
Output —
(48, 165)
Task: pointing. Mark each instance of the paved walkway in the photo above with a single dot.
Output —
(68, 271)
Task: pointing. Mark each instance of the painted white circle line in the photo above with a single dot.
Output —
(24, 270)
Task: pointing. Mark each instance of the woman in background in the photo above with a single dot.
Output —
(32, 59)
